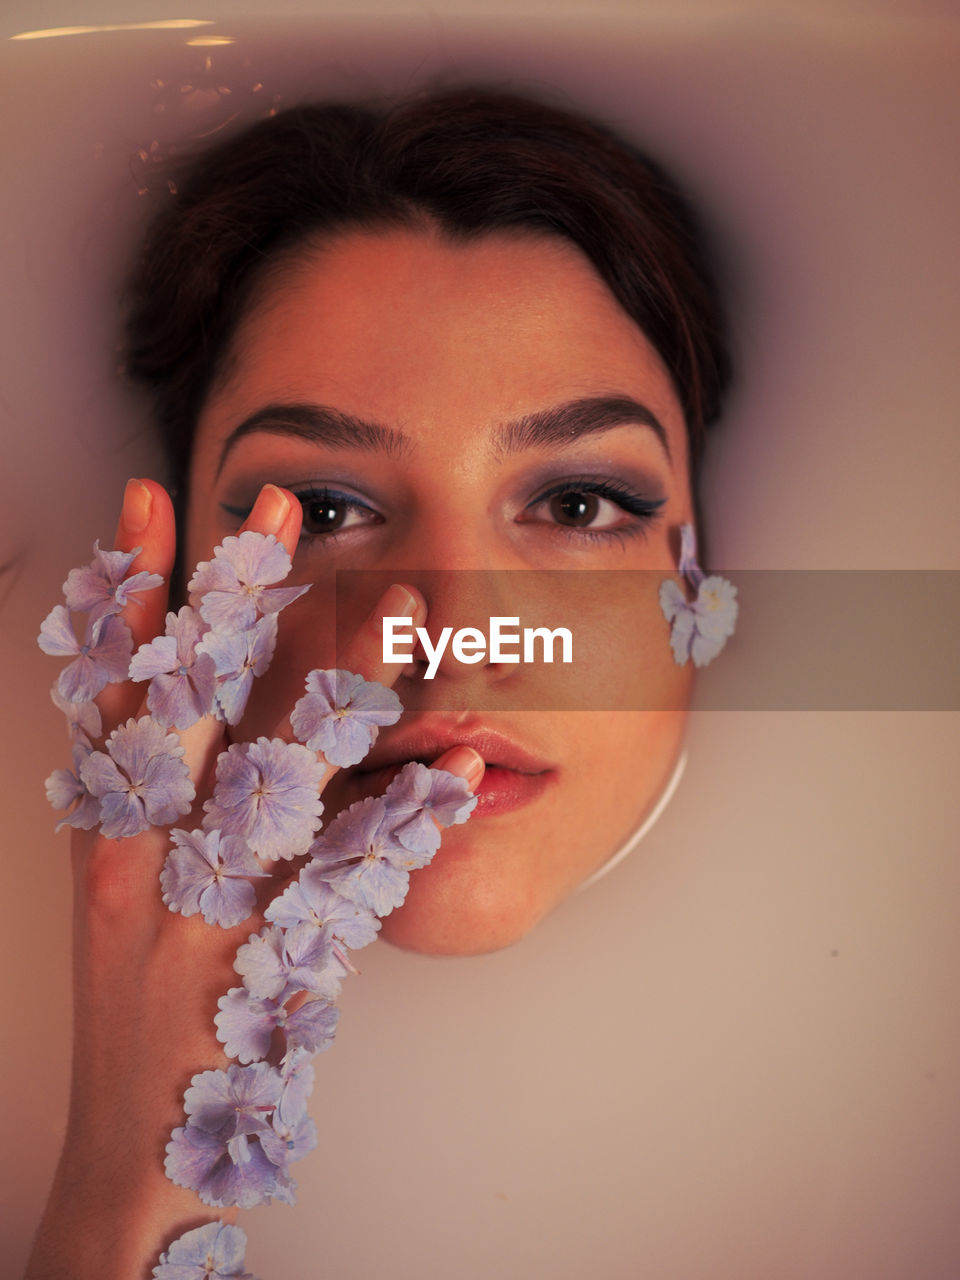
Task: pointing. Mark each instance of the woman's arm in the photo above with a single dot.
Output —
(146, 980)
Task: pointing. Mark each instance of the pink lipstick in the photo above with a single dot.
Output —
(514, 776)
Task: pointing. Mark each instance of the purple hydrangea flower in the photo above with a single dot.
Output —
(141, 781)
(193, 1155)
(310, 961)
(313, 1026)
(297, 1073)
(102, 587)
(276, 962)
(340, 715)
(182, 680)
(213, 1252)
(207, 872)
(66, 788)
(233, 1102)
(268, 792)
(102, 659)
(83, 718)
(234, 588)
(250, 1178)
(193, 1152)
(284, 1142)
(364, 860)
(260, 964)
(222, 1173)
(418, 799)
(245, 1025)
(312, 899)
(239, 656)
(700, 628)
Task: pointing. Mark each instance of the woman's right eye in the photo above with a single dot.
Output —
(327, 511)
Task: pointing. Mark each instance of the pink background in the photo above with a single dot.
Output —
(738, 1056)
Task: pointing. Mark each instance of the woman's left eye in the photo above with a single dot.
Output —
(592, 507)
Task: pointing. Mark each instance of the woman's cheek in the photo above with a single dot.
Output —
(494, 880)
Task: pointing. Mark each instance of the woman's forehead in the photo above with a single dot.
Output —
(412, 329)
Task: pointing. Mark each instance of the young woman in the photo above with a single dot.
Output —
(467, 333)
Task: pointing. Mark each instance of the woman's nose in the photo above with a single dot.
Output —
(458, 641)
(462, 567)
(467, 572)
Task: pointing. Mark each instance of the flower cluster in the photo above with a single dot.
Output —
(237, 1144)
(244, 1125)
(370, 848)
(699, 627)
(101, 590)
(204, 664)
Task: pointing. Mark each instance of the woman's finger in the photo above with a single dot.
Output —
(276, 511)
(462, 762)
(146, 521)
(364, 655)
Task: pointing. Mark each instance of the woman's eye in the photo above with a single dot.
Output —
(580, 510)
(326, 512)
(597, 508)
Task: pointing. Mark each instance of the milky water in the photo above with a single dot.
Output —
(737, 1056)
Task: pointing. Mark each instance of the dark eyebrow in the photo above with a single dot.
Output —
(564, 423)
(547, 428)
(320, 425)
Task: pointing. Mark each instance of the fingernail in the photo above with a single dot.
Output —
(270, 510)
(137, 507)
(397, 602)
(465, 763)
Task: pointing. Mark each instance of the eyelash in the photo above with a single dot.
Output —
(620, 494)
(644, 510)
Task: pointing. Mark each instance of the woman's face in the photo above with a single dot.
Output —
(440, 424)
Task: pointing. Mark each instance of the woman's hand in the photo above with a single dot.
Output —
(147, 980)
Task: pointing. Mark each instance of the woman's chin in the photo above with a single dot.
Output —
(459, 907)
(430, 933)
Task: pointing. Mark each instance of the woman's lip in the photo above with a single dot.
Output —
(500, 789)
(513, 777)
(428, 744)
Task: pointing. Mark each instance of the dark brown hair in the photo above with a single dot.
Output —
(469, 161)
